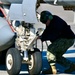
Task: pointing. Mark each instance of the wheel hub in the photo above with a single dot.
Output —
(32, 63)
(9, 61)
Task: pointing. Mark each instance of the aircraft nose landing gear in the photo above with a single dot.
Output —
(14, 60)
(25, 51)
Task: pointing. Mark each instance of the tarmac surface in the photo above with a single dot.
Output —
(68, 16)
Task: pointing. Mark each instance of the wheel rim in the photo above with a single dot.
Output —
(32, 62)
(9, 61)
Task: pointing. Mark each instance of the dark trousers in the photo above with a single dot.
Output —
(57, 49)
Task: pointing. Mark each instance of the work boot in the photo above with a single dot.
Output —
(71, 69)
(54, 71)
(48, 71)
(51, 70)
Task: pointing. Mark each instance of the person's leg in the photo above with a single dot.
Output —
(52, 61)
(63, 61)
(66, 63)
(56, 50)
(64, 44)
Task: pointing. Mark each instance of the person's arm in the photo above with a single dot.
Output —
(43, 37)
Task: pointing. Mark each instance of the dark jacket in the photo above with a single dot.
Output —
(57, 29)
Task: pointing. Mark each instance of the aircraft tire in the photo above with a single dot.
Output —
(13, 61)
(36, 62)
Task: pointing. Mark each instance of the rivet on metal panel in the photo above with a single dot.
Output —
(24, 14)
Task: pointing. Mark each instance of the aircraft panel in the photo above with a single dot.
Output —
(6, 34)
(15, 12)
(11, 1)
(29, 11)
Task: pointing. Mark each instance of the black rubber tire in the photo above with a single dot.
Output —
(37, 62)
(16, 63)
